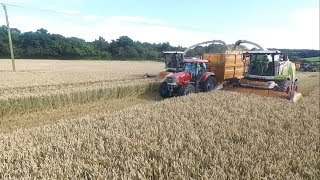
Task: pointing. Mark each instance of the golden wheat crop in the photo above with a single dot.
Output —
(64, 98)
(51, 90)
(36, 118)
(307, 81)
(220, 135)
(55, 72)
(42, 84)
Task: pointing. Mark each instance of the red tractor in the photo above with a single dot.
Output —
(194, 77)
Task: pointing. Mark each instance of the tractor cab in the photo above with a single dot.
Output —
(173, 60)
(196, 67)
(264, 65)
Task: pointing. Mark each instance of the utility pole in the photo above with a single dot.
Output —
(9, 36)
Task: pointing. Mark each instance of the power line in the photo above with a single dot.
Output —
(69, 13)
(76, 13)
(14, 5)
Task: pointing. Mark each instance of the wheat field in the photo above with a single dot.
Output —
(39, 84)
(205, 136)
(56, 72)
(138, 135)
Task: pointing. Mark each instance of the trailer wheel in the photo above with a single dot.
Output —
(164, 90)
(284, 86)
(209, 84)
(188, 89)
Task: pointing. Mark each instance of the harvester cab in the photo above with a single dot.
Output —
(268, 73)
(269, 70)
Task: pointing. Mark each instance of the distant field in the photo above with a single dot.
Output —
(52, 83)
(313, 59)
(55, 72)
(52, 77)
(307, 81)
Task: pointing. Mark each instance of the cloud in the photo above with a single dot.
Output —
(69, 12)
(91, 17)
(306, 27)
(307, 17)
(112, 27)
(150, 30)
(301, 30)
(16, 1)
(61, 11)
(137, 20)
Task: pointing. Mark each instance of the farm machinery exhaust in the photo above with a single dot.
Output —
(261, 72)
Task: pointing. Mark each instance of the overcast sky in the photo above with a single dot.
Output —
(271, 23)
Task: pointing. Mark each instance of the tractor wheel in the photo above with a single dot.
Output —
(163, 90)
(209, 84)
(283, 86)
(188, 89)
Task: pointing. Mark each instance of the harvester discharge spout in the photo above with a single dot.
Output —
(239, 42)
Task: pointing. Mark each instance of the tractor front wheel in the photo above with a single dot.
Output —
(164, 90)
(209, 84)
(188, 89)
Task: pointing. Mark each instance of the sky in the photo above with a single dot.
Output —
(290, 24)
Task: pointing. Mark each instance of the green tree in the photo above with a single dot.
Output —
(42, 44)
(101, 47)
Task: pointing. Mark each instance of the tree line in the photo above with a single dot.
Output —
(43, 45)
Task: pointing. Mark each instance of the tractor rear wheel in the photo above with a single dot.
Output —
(188, 89)
(284, 86)
(209, 84)
(164, 90)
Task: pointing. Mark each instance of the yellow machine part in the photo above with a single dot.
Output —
(162, 75)
(292, 96)
(261, 92)
(225, 66)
